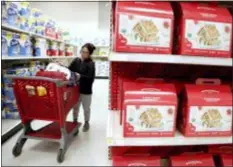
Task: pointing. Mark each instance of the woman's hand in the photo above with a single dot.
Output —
(77, 75)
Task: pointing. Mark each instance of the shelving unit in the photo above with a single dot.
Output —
(172, 66)
(170, 59)
(15, 29)
(115, 137)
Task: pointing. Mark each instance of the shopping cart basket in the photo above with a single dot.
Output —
(41, 98)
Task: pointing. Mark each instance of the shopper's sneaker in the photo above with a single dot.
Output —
(86, 127)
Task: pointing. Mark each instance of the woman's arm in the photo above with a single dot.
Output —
(90, 74)
(73, 65)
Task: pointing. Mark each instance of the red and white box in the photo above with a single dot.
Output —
(207, 109)
(136, 161)
(143, 27)
(193, 160)
(226, 160)
(204, 30)
(220, 149)
(149, 110)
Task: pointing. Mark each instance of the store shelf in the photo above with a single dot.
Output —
(115, 137)
(35, 58)
(171, 59)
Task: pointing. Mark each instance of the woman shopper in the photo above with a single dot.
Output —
(85, 69)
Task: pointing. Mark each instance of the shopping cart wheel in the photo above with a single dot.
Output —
(76, 133)
(17, 149)
(60, 156)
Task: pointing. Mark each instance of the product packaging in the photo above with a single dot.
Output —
(220, 149)
(24, 12)
(226, 160)
(25, 45)
(136, 161)
(39, 47)
(149, 110)
(13, 44)
(13, 17)
(69, 50)
(204, 30)
(143, 27)
(206, 109)
(4, 43)
(192, 160)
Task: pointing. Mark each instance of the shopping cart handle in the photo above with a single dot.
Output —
(59, 83)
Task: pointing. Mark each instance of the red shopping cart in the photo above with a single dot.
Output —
(41, 98)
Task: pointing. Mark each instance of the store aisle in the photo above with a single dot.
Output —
(87, 148)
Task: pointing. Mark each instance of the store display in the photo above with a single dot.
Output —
(143, 27)
(199, 35)
(25, 45)
(149, 110)
(136, 161)
(101, 68)
(207, 110)
(39, 47)
(193, 160)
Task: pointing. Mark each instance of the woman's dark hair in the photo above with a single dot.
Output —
(90, 47)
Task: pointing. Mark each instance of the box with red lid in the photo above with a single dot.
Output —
(143, 27)
(149, 110)
(136, 161)
(204, 30)
(207, 109)
(226, 160)
(220, 149)
(133, 81)
(192, 160)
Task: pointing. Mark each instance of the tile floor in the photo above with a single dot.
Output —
(87, 149)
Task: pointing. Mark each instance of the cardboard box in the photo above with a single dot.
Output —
(143, 27)
(149, 110)
(204, 30)
(226, 160)
(136, 161)
(192, 160)
(207, 111)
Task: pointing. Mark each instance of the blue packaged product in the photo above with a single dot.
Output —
(14, 45)
(4, 43)
(25, 45)
(13, 17)
(9, 95)
(12, 114)
(24, 9)
(4, 12)
(11, 106)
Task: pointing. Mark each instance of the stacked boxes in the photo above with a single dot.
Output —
(143, 27)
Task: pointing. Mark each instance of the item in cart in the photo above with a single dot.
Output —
(136, 161)
(13, 17)
(207, 110)
(14, 45)
(25, 45)
(199, 35)
(149, 110)
(144, 27)
(226, 160)
(192, 160)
